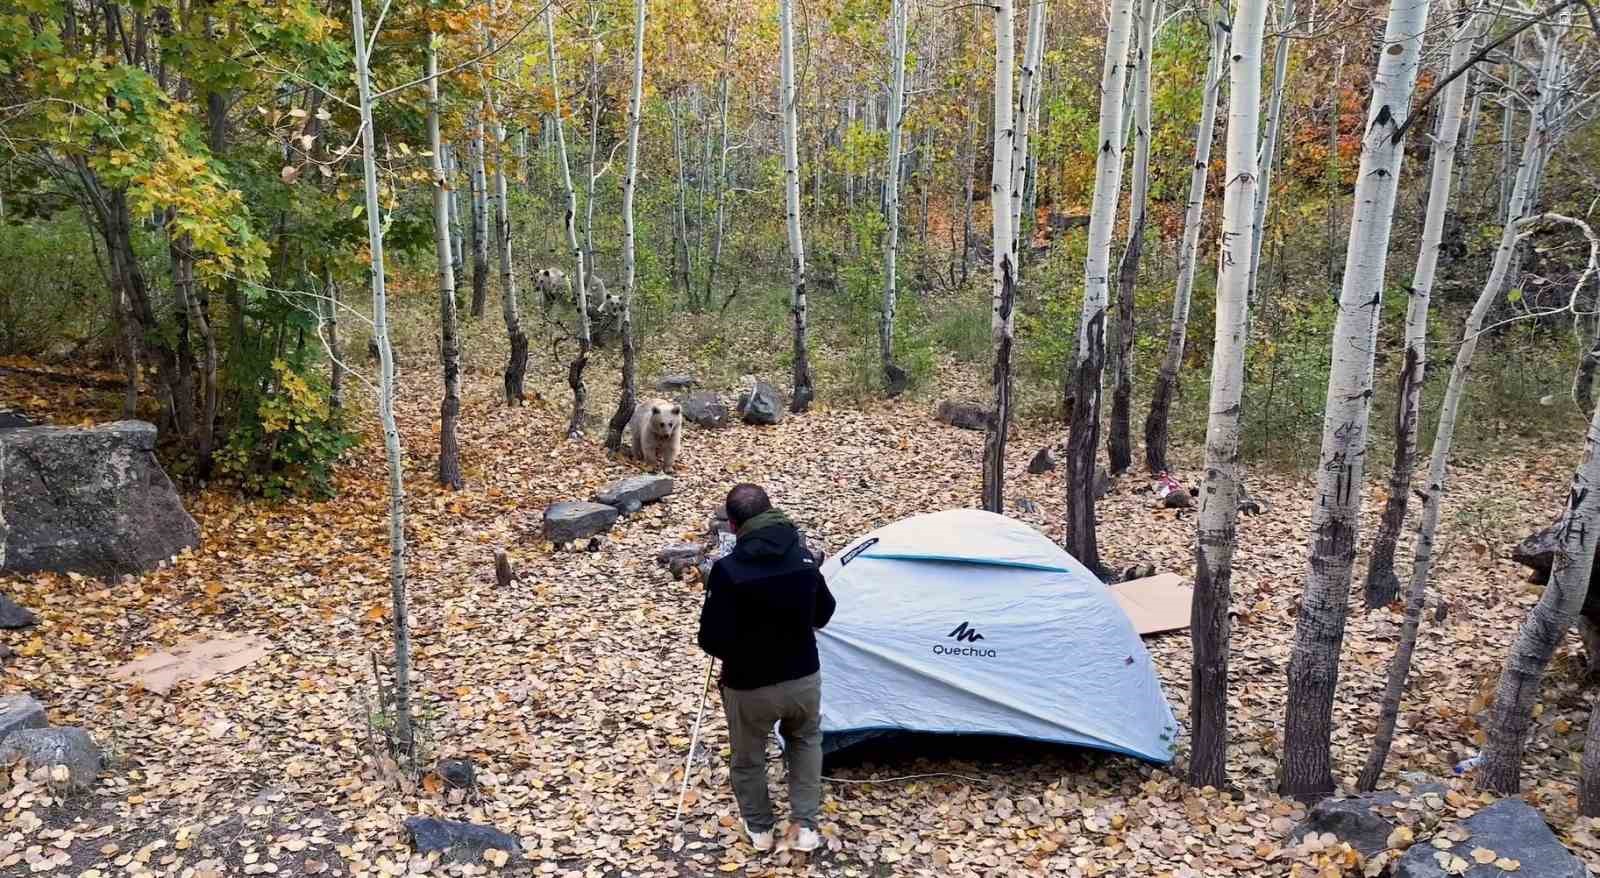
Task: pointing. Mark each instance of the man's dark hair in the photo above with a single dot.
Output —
(745, 502)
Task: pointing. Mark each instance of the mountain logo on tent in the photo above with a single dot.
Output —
(963, 634)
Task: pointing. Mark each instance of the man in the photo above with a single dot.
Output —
(764, 602)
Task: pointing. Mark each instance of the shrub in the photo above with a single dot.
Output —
(286, 443)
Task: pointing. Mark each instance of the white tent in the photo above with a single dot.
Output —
(967, 622)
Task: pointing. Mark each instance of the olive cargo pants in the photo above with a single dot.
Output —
(795, 707)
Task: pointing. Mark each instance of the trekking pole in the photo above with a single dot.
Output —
(694, 739)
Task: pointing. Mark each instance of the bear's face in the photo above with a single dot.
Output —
(665, 418)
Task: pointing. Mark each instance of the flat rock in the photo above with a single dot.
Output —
(49, 747)
(1365, 821)
(14, 615)
(675, 382)
(574, 520)
(18, 712)
(705, 409)
(965, 415)
(10, 420)
(88, 500)
(457, 841)
(762, 404)
(1512, 830)
(627, 495)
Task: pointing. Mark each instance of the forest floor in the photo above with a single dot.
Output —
(575, 689)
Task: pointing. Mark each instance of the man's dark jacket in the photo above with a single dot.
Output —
(764, 601)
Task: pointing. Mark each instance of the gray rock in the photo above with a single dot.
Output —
(459, 842)
(1511, 829)
(761, 405)
(14, 615)
(1364, 821)
(670, 383)
(1043, 461)
(10, 420)
(965, 415)
(89, 501)
(627, 495)
(458, 773)
(49, 747)
(575, 520)
(18, 712)
(704, 408)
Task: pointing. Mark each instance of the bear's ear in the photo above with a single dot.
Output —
(655, 410)
(677, 410)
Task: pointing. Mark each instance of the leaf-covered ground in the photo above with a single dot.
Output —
(574, 690)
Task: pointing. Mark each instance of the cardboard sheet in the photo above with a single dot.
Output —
(192, 661)
(1155, 603)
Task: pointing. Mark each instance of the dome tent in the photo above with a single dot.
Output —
(968, 622)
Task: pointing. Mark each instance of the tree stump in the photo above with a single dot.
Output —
(503, 574)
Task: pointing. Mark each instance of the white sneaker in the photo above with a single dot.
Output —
(808, 840)
(761, 841)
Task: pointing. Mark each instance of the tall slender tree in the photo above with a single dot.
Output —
(449, 337)
(629, 388)
(1269, 145)
(1002, 322)
(1119, 442)
(894, 377)
(580, 277)
(517, 362)
(1032, 56)
(1089, 365)
(1335, 515)
(480, 217)
(803, 389)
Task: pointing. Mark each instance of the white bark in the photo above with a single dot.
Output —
(517, 364)
(1269, 145)
(1335, 520)
(1215, 525)
(1002, 322)
(580, 277)
(449, 344)
(893, 377)
(386, 394)
(803, 391)
(625, 399)
(1031, 56)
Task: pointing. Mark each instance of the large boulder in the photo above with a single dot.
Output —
(575, 520)
(761, 404)
(47, 748)
(704, 408)
(14, 615)
(459, 842)
(965, 415)
(1512, 831)
(88, 500)
(627, 495)
(18, 712)
(1365, 821)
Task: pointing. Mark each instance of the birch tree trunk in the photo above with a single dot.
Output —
(1031, 56)
(1084, 439)
(1215, 534)
(1335, 519)
(452, 167)
(449, 339)
(803, 391)
(386, 394)
(480, 219)
(1269, 146)
(335, 354)
(1444, 436)
(517, 367)
(579, 278)
(721, 185)
(1382, 585)
(629, 388)
(680, 216)
(894, 377)
(1119, 444)
(1002, 322)
(1156, 422)
(594, 139)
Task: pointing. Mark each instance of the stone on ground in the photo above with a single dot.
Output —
(1365, 821)
(965, 415)
(574, 520)
(627, 495)
(675, 382)
(88, 500)
(1509, 828)
(14, 615)
(47, 748)
(459, 842)
(762, 404)
(18, 712)
(10, 420)
(704, 408)
(457, 773)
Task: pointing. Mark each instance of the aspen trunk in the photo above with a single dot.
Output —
(1335, 519)
(1031, 56)
(449, 340)
(335, 354)
(1269, 146)
(803, 391)
(480, 219)
(894, 377)
(1088, 371)
(517, 366)
(680, 217)
(452, 168)
(580, 278)
(720, 187)
(1002, 322)
(1382, 585)
(1156, 429)
(1215, 528)
(1119, 444)
(625, 398)
(386, 393)
(594, 144)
